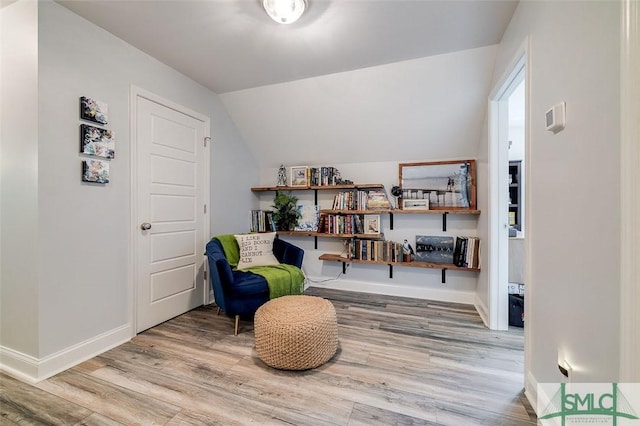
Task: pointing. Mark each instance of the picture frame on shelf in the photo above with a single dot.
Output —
(418, 204)
(298, 176)
(435, 249)
(371, 223)
(309, 217)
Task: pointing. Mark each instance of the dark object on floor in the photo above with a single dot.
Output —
(516, 310)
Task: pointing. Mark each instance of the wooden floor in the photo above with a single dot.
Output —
(400, 362)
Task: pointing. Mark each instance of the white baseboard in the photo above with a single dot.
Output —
(531, 391)
(426, 293)
(482, 309)
(33, 370)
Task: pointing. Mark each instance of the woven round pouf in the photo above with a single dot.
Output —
(296, 332)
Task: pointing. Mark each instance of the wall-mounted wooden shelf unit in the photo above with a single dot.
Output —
(444, 211)
(413, 264)
(324, 234)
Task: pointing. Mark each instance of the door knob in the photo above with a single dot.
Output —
(145, 226)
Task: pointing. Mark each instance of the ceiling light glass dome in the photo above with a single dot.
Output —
(284, 11)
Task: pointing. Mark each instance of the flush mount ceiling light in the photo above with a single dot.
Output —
(284, 11)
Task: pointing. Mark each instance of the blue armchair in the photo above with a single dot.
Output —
(240, 293)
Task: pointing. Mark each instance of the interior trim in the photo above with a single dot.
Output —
(629, 191)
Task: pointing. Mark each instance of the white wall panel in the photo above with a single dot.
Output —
(573, 286)
(19, 178)
(430, 108)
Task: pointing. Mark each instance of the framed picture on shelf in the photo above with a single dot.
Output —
(298, 176)
(434, 249)
(422, 204)
(309, 216)
(371, 223)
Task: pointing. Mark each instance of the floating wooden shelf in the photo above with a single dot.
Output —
(435, 210)
(428, 265)
(346, 211)
(317, 188)
(460, 211)
(444, 211)
(324, 234)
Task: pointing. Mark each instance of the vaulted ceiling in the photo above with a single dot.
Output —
(407, 79)
(228, 45)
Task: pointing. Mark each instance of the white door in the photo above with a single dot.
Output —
(170, 210)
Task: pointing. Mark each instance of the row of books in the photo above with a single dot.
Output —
(350, 200)
(322, 176)
(262, 221)
(341, 224)
(466, 253)
(361, 200)
(375, 250)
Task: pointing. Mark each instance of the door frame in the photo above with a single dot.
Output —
(136, 92)
(629, 191)
(498, 235)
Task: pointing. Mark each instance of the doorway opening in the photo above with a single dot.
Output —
(507, 200)
(509, 142)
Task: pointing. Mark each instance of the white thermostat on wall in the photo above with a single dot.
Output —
(555, 118)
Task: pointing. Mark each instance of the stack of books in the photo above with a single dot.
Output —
(350, 200)
(262, 221)
(378, 200)
(374, 250)
(467, 252)
(322, 176)
(340, 224)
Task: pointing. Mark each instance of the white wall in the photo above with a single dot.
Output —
(573, 276)
(423, 109)
(234, 169)
(79, 258)
(19, 177)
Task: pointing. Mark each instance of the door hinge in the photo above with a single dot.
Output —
(205, 209)
(205, 274)
(206, 141)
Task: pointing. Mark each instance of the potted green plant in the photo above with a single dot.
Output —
(285, 212)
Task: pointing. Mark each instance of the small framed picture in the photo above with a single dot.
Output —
(96, 141)
(95, 171)
(371, 223)
(94, 110)
(417, 204)
(299, 176)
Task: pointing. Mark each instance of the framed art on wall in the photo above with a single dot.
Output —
(96, 141)
(94, 110)
(95, 171)
(447, 185)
